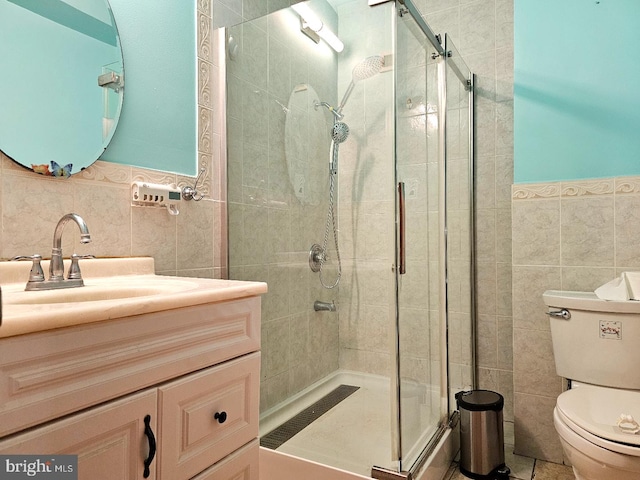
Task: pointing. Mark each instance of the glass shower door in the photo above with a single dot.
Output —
(459, 213)
(420, 289)
(434, 172)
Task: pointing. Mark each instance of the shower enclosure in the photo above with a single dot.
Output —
(363, 177)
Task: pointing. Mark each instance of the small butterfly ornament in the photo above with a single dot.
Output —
(58, 171)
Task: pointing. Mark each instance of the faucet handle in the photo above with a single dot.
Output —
(36, 274)
(74, 269)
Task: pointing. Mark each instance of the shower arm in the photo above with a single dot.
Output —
(336, 114)
(346, 97)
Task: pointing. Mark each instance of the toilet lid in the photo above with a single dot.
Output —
(598, 411)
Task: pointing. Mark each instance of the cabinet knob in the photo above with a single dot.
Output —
(221, 417)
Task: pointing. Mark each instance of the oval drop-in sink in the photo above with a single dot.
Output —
(98, 292)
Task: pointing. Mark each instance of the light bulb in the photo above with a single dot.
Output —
(312, 21)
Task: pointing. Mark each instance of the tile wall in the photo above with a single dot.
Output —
(566, 236)
(233, 12)
(278, 150)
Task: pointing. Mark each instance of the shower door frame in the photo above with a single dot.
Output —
(448, 414)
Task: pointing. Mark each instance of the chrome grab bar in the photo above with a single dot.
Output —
(564, 314)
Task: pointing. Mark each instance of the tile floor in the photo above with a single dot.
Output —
(525, 470)
(522, 468)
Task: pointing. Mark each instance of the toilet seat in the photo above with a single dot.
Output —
(616, 447)
(592, 412)
(595, 462)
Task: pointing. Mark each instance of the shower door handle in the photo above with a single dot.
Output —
(402, 268)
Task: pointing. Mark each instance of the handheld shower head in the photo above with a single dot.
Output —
(339, 132)
(366, 68)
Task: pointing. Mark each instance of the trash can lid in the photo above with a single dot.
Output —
(480, 400)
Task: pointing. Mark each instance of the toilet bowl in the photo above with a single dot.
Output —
(595, 346)
(586, 420)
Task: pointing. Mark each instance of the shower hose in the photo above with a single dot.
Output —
(331, 221)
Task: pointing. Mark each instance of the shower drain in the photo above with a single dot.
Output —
(306, 417)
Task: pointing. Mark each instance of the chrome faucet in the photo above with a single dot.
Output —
(319, 306)
(56, 267)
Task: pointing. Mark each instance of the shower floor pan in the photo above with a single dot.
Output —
(353, 435)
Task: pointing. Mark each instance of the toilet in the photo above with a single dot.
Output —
(596, 346)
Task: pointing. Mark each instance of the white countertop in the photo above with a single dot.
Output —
(28, 312)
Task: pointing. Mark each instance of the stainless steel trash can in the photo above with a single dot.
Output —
(481, 434)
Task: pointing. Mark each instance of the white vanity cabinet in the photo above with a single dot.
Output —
(86, 390)
(109, 440)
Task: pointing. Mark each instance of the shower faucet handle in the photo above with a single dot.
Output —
(317, 256)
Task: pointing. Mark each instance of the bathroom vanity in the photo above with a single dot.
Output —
(160, 385)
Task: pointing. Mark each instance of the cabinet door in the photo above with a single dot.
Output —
(109, 440)
(240, 465)
(207, 415)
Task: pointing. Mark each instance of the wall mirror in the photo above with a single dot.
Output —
(61, 87)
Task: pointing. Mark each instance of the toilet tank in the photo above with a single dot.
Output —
(599, 343)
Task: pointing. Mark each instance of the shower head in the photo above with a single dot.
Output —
(366, 68)
(339, 132)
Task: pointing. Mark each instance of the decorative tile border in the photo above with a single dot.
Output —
(537, 190)
(204, 37)
(101, 171)
(582, 188)
(627, 185)
(204, 84)
(578, 188)
(152, 176)
(205, 113)
(205, 6)
(205, 119)
(98, 171)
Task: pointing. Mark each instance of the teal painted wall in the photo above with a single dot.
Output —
(31, 134)
(576, 94)
(157, 127)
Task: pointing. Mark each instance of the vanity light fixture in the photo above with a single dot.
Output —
(315, 29)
